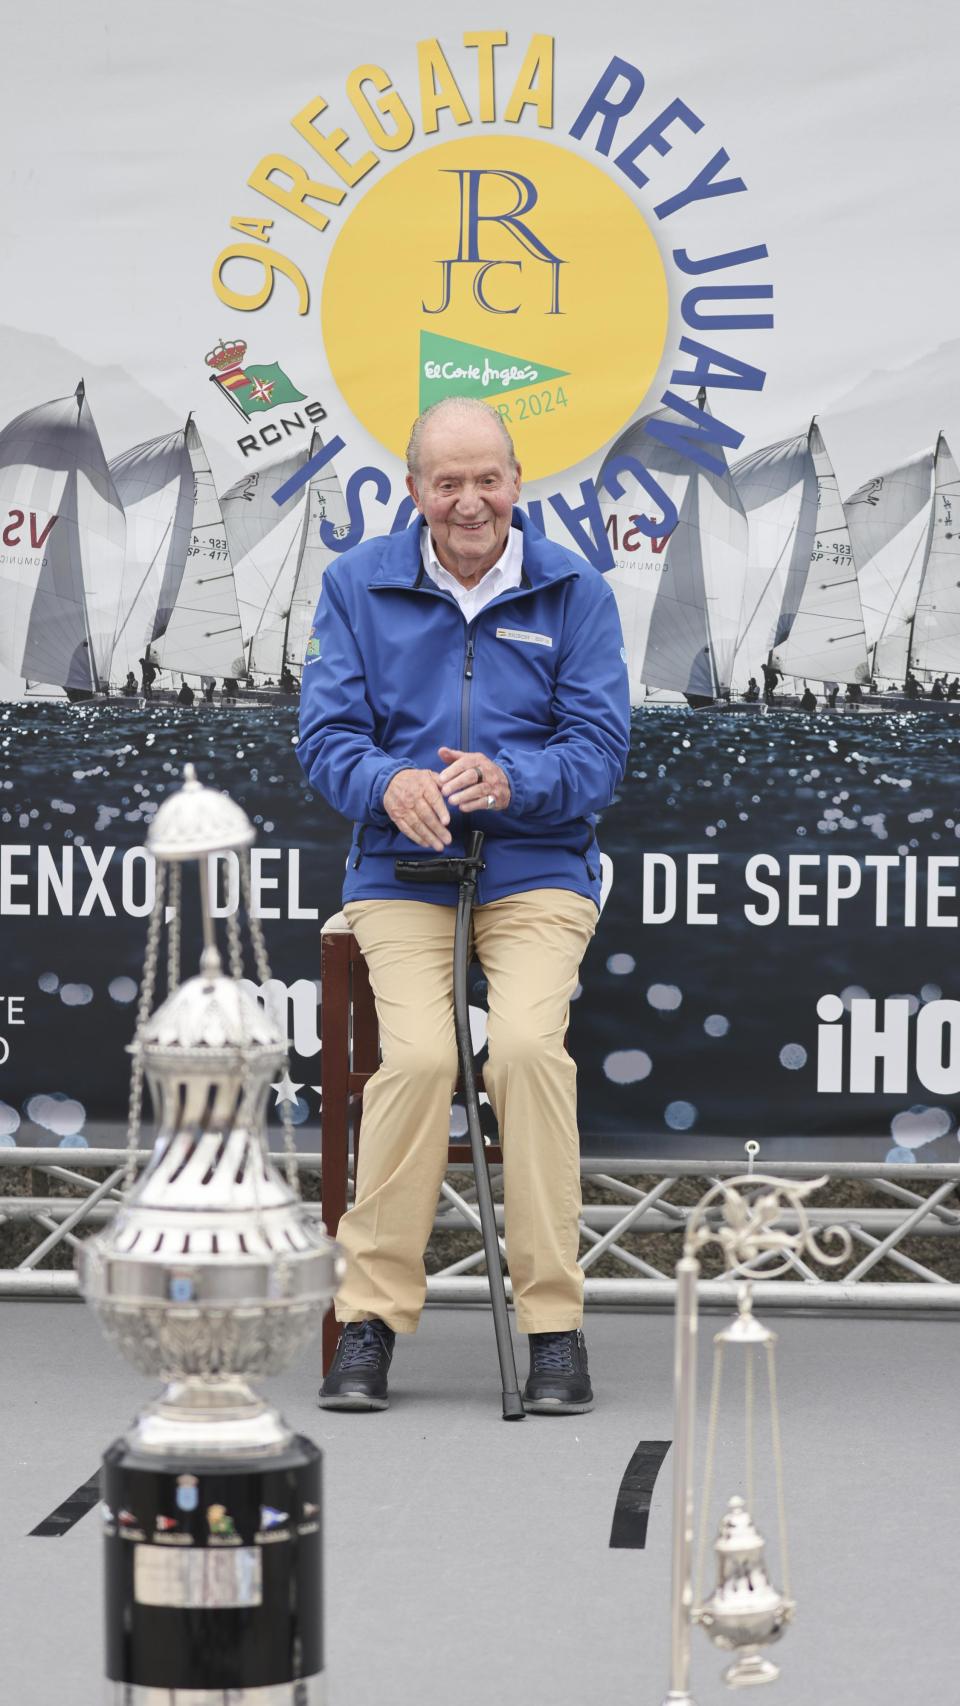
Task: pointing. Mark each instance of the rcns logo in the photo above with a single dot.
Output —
(254, 390)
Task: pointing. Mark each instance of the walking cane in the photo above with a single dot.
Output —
(464, 872)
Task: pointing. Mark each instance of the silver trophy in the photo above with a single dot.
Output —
(211, 1274)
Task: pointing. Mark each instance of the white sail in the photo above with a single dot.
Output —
(264, 542)
(777, 488)
(889, 519)
(935, 643)
(326, 506)
(155, 483)
(825, 639)
(202, 635)
(679, 598)
(803, 601)
(61, 547)
(722, 531)
(279, 557)
(634, 579)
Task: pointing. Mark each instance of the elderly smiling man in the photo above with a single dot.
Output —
(467, 672)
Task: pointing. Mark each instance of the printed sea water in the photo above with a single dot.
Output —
(761, 859)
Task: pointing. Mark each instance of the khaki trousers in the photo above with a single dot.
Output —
(530, 946)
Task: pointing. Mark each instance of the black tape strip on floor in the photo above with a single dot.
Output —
(636, 1493)
(66, 1515)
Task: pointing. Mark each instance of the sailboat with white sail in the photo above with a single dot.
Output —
(803, 611)
(263, 538)
(104, 568)
(680, 597)
(62, 535)
(179, 604)
(155, 484)
(905, 529)
(202, 634)
(279, 555)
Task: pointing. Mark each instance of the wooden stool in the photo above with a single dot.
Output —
(351, 1055)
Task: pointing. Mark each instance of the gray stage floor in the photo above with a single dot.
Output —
(468, 1561)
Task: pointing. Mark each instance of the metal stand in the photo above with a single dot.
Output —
(749, 1233)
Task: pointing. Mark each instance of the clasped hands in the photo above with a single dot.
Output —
(416, 800)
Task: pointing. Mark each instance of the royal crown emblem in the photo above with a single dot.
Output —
(224, 355)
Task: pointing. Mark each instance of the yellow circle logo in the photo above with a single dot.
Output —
(502, 268)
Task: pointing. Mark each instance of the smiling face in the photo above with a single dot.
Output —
(465, 486)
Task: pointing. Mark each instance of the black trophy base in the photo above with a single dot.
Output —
(213, 1579)
(308, 1692)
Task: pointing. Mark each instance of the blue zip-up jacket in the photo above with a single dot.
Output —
(537, 681)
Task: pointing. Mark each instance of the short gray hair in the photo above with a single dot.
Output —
(455, 405)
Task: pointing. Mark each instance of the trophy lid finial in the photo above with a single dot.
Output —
(196, 821)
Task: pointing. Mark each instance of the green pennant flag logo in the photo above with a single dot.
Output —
(450, 368)
(253, 390)
(268, 386)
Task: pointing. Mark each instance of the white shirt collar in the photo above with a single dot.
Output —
(501, 577)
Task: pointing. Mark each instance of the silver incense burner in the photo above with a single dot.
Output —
(745, 1610)
(211, 1275)
(212, 1271)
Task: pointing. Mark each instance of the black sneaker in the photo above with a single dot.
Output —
(559, 1380)
(358, 1373)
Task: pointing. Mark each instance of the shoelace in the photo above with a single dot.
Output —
(361, 1349)
(553, 1353)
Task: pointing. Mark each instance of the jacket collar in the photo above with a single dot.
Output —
(543, 562)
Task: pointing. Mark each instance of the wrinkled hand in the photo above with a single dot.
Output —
(460, 785)
(413, 801)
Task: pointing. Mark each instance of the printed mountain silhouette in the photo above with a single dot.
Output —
(36, 368)
(893, 413)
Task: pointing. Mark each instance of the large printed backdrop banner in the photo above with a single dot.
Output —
(706, 273)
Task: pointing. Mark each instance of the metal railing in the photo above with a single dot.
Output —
(917, 1199)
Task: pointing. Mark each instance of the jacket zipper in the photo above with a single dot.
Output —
(465, 694)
